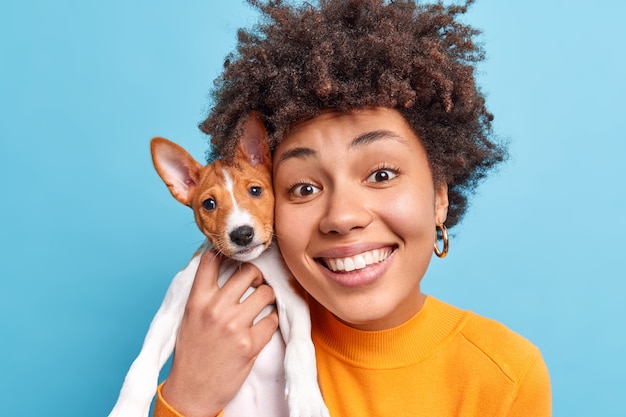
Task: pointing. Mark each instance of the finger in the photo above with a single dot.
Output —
(205, 281)
(246, 276)
(250, 308)
(262, 331)
(261, 297)
(258, 278)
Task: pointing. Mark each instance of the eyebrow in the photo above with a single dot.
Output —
(369, 137)
(361, 140)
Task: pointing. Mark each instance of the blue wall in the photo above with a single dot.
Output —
(90, 236)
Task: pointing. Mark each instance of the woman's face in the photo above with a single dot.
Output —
(356, 211)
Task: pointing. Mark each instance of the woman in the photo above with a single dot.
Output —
(379, 134)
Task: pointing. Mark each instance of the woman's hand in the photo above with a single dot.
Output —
(217, 342)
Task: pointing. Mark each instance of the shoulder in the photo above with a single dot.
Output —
(506, 362)
(512, 353)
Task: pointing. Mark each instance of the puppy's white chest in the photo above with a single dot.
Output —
(263, 392)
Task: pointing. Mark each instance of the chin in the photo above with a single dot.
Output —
(376, 313)
(362, 316)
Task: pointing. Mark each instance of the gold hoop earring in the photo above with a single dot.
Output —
(444, 235)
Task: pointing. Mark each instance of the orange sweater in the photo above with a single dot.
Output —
(444, 362)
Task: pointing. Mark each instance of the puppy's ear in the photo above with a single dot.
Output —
(253, 145)
(179, 170)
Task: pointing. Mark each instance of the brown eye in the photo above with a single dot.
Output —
(255, 191)
(304, 190)
(382, 175)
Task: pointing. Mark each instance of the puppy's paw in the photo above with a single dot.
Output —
(301, 388)
(307, 407)
(305, 399)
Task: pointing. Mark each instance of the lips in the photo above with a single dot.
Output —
(249, 254)
(358, 261)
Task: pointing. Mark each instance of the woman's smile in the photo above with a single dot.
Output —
(358, 271)
(357, 262)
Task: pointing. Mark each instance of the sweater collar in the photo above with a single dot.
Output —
(390, 348)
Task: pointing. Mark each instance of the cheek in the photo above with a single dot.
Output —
(290, 237)
(280, 220)
(295, 227)
(410, 213)
(290, 228)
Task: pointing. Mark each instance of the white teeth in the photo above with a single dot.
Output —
(359, 261)
(349, 264)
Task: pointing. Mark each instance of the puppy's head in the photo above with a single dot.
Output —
(233, 203)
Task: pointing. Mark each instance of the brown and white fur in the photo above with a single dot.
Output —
(233, 206)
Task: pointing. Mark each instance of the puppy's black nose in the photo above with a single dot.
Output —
(242, 235)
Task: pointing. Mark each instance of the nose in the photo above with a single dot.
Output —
(242, 235)
(345, 212)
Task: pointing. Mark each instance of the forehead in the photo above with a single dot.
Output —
(346, 130)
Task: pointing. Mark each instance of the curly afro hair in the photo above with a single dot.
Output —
(342, 55)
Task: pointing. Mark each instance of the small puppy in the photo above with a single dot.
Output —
(233, 205)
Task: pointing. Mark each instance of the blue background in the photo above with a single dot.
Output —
(91, 237)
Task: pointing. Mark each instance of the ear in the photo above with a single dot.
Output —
(441, 203)
(253, 145)
(178, 169)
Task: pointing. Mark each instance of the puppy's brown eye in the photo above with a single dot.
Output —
(255, 191)
(209, 204)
